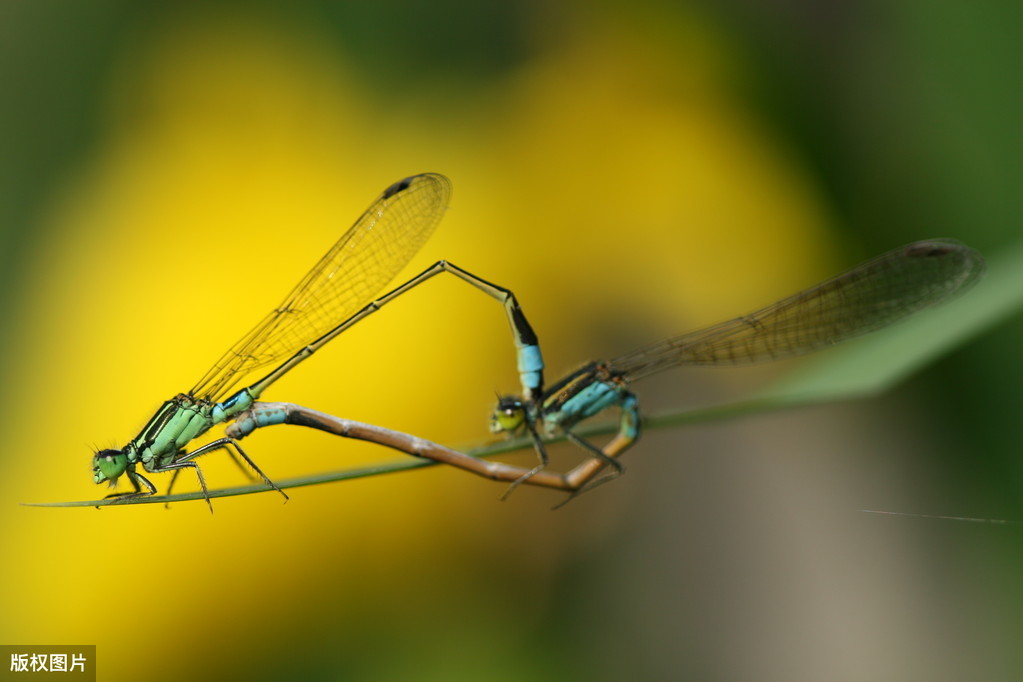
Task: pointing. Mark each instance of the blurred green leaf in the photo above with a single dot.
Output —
(875, 363)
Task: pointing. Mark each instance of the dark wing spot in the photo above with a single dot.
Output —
(399, 186)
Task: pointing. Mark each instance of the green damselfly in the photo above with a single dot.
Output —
(335, 294)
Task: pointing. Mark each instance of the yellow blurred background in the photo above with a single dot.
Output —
(629, 173)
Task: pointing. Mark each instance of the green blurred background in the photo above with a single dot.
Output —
(169, 170)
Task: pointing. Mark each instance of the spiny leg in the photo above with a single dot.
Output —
(238, 463)
(230, 453)
(248, 460)
(220, 443)
(224, 443)
(581, 478)
(602, 460)
(541, 452)
(134, 479)
(619, 469)
(178, 466)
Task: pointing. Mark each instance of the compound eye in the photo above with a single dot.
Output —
(107, 465)
(508, 415)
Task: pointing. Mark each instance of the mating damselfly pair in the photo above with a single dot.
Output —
(339, 292)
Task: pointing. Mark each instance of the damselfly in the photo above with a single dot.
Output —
(332, 297)
(868, 297)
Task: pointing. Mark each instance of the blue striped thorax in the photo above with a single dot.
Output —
(580, 395)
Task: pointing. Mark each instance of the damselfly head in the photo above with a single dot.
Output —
(108, 465)
(509, 414)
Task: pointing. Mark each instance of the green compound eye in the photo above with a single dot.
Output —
(509, 415)
(108, 465)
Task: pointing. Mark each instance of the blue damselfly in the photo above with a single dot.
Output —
(866, 298)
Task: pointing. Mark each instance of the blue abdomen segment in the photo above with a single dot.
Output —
(629, 426)
(239, 402)
(257, 419)
(530, 368)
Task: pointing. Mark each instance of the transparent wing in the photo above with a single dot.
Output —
(366, 257)
(872, 295)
